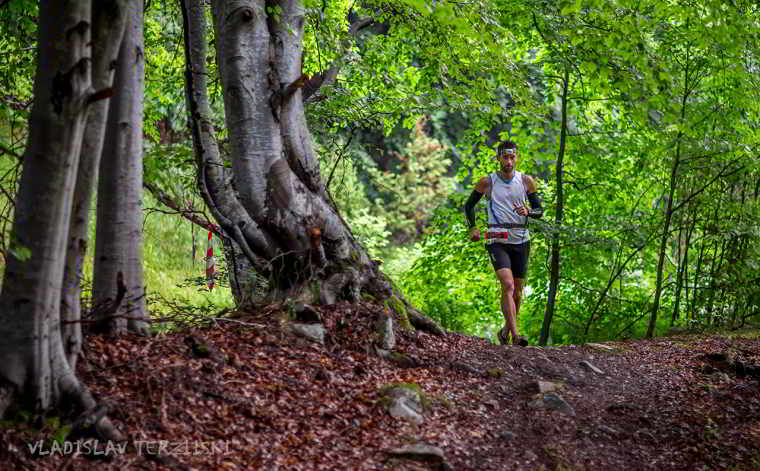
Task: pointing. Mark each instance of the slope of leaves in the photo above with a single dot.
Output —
(271, 401)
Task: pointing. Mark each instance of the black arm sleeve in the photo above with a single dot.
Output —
(469, 207)
(536, 211)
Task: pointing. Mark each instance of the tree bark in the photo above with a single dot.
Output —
(108, 23)
(34, 371)
(118, 238)
(214, 183)
(247, 286)
(275, 207)
(558, 218)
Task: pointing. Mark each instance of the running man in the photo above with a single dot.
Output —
(507, 238)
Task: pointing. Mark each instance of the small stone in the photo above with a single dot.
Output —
(607, 429)
(406, 404)
(600, 346)
(418, 451)
(591, 367)
(306, 313)
(403, 410)
(422, 452)
(495, 372)
(552, 401)
(547, 386)
(461, 366)
(313, 332)
(384, 329)
(507, 436)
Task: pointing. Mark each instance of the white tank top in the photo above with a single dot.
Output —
(502, 216)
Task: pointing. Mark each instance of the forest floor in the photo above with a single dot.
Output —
(259, 398)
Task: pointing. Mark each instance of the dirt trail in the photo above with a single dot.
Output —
(258, 398)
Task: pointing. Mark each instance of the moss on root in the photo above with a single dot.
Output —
(396, 305)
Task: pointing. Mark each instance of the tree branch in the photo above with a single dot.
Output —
(705, 186)
(6, 150)
(327, 77)
(192, 216)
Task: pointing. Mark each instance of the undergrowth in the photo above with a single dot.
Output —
(174, 274)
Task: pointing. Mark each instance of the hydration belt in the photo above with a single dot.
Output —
(497, 235)
(504, 234)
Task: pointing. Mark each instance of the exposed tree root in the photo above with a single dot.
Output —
(420, 321)
(93, 421)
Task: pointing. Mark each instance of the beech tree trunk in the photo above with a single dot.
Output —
(247, 286)
(272, 204)
(118, 238)
(275, 206)
(108, 22)
(34, 371)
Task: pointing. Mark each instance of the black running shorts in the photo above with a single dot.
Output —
(512, 256)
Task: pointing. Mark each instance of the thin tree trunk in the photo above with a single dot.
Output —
(247, 286)
(711, 279)
(668, 211)
(683, 263)
(741, 254)
(695, 294)
(715, 266)
(613, 276)
(558, 217)
(687, 271)
(118, 243)
(109, 20)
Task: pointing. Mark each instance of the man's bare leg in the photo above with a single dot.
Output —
(508, 308)
(519, 284)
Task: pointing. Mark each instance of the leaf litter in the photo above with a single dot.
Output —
(236, 396)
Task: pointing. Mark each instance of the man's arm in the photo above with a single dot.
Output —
(536, 211)
(469, 207)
